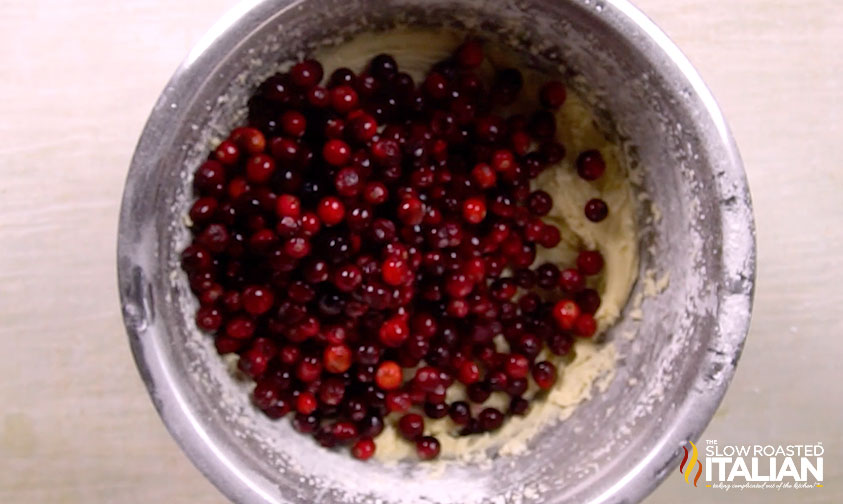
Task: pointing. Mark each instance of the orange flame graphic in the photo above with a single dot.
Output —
(693, 460)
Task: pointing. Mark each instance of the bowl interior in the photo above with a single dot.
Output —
(669, 378)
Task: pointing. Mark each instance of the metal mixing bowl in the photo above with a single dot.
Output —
(670, 378)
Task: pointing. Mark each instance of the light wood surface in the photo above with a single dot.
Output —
(77, 81)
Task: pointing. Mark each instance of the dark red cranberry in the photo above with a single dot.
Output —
(571, 280)
(331, 211)
(306, 74)
(590, 262)
(544, 374)
(460, 412)
(470, 54)
(518, 406)
(363, 449)
(227, 153)
(318, 97)
(540, 203)
(411, 426)
(306, 424)
(490, 419)
(478, 393)
(383, 67)
(344, 99)
(596, 210)
(589, 301)
(371, 426)
(543, 125)
(436, 410)
(341, 76)
(590, 165)
(336, 152)
(428, 447)
(552, 95)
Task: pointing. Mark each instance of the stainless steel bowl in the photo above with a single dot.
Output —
(618, 446)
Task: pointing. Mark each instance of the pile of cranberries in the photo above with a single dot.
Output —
(360, 243)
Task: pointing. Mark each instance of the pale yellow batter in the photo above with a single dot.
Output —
(590, 365)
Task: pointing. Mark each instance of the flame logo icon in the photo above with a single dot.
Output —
(688, 469)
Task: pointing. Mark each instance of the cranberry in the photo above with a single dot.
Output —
(566, 312)
(375, 193)
(411, 211)
(544, 374)
(590, 262)
(585, 325)
(257, 300)
(589, 301)
(240, 328)
(460, 412)
(478, 393)
(306, 74)
(571, 280)
(344, 99)
(227, 153)
(389, 375)
(208, 318)
(490, 419)
(348, 277)
(363, 449)
(249, 139)
(336, 152)
(309, 369)
(552, 95)
(306, 403)
(540, 203)
(596, 210)
(318, 97)
(288, 206)
(474, 210)
(331, 211)
(550, 236)
(337, 359)
(517, 366)
(428, 447)
(293, 123)
(331, 391)
(470, 54)
(411, 426)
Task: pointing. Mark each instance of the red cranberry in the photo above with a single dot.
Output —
(427, 447)
(306, 403)
(363, 449)
(344, 99)
(318, 97)
(540, 203)
(337, 359)
(208, 318)
(470, 54)
(552, 94)
(364, 127)
(336, 152)
(589, 301)
(550, 236)
(375, 193)
(249, 139)
(309, 369)
(478, 393)
(293, 123)
(257, 300)
(348, 277)
(566, 312)
(259, 168)
(306, 74)
(331, 391)
(590, 165)
(490, 419)
(389, 375)
(240, 328)
(474, 210)
(460, 412)
(571, 280)
(227, 153)
(383, 67)
(585, 325)
(483, 175)
(411, 211)
(331, 211)
(490, 129)
(411, 426)
(394, 270)
(517, 366)
(596, 210)
(590, 262)
(544, 374)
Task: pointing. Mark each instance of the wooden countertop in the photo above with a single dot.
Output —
(78, 81)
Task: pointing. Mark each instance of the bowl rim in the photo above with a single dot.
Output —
(212, 459)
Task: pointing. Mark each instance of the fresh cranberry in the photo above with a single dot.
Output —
(306, 74)
(336, 152)
(389, 375)
(540, 203)
(411, 426)
(470, 54)
(411, 211)
(348, 277)
(331, 211)
(571, 280)
(590, 262)
(337, 359)
(544, 374)
(227, 153)
(375, 193)
(474, 210)
(590, 165)
(363, 449)
(552, 94)
(249, 139)
(344, 99)
(566, 312)
(589, 301)
(428, 447)
(490, 419)
(596, 210)
(257, 300)
(585, 325)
